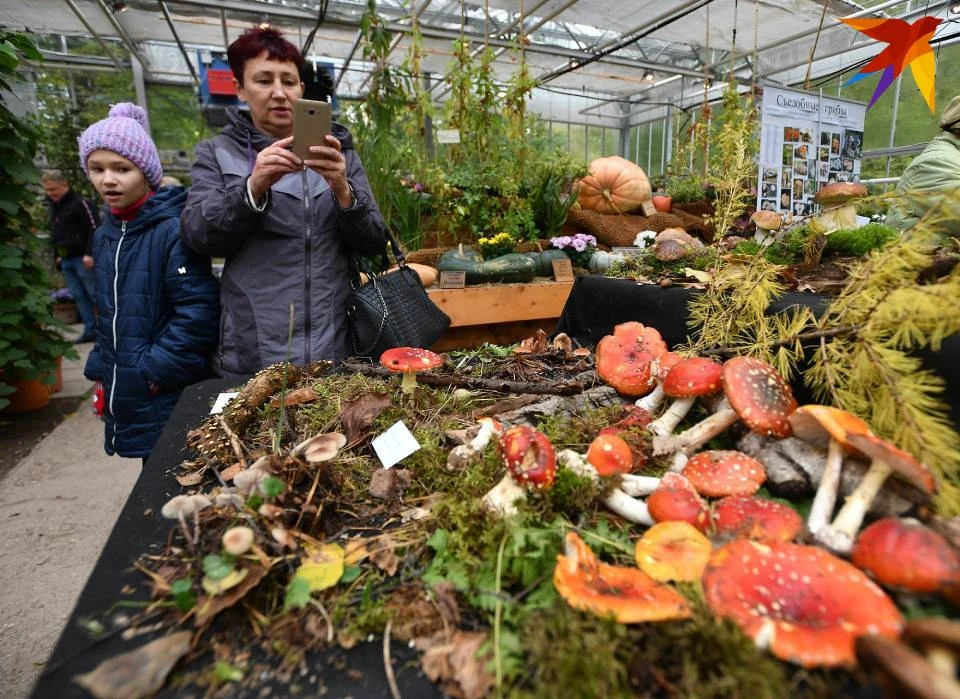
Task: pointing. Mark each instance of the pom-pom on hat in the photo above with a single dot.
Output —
(124, 132)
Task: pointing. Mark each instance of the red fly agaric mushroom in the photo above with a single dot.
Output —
(660, 368)
(610, 455)
(800, 602)
(718, 473)
(686, 381)
(886, 459)
(819, 424)
(676, 500)
(903, 553)
(617, 500)
(750, 517)
(754, 392)
(673, 551)
(628, 595)
(410, 361)
(530, 462)
(624, 358)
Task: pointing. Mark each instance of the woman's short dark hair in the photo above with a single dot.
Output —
(255, 41)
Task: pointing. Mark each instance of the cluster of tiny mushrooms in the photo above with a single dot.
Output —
(801, 602)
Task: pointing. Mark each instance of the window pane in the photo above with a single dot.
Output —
(611, 141)
(594, 142)
(578, 140)
(656, 154)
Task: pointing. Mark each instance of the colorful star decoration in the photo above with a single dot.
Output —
(909, 45)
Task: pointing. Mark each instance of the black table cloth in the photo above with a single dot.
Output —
(140, 528)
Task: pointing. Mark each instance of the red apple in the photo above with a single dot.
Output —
(663, 202)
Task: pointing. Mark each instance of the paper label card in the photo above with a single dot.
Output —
(563, 270)
(221, 402)
(394, 445)
(453, 280)
(627, 251)
(448, 135)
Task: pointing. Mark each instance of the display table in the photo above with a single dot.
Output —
(498, 313)
(596, 304)
(140, 529)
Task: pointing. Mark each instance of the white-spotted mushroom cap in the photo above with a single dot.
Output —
(750, 517)
(803, 604)
(718, 473)
(761, 397)
(529, 457)
(407, 359)
(237, 540)
(904, 465)
(624, 359)
(609, 454)
(693, 377)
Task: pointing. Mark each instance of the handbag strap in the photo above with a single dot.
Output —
(357, 351)
(394, 248)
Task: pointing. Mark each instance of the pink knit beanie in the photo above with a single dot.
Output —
(124, 132)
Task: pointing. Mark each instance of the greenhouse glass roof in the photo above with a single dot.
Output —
(631, 58)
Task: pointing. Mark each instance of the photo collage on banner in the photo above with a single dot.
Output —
(806, 142)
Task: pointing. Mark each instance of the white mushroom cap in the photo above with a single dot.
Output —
(237, 540)
(184, 505)
(321, 447)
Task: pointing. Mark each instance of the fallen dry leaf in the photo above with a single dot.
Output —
(140, 672)
(456, 668)
(383, 555)
(209, 607)
(300, 395)
(189, 479)
(389, 482)
(229, 472)
(358, 414)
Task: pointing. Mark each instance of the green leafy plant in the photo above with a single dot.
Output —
(183, 595)
(30, 338)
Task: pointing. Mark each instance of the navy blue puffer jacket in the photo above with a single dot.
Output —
(158, 306)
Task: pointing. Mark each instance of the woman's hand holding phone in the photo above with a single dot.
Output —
(328, 162)
(272, 163)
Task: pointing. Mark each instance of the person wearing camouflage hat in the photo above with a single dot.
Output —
(933, 179)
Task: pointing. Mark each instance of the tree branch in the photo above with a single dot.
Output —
(802, 337)
(539, 387)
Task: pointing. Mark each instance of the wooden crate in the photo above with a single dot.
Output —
(499, 313)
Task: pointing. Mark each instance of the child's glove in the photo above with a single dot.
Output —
(99, 400)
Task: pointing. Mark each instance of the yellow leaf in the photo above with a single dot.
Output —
(214, 587)
(322, 567)
(697, 274)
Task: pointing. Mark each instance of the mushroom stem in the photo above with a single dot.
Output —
(617, 501)
(667, 423)
(409, 383)
(840, 535)
(502, 498)
(638, 486)
(186, 529)
(695, 437)
(464, 454)
(826, 497)
(652, 400)
(763, 236)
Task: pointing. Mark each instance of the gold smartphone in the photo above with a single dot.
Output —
(311, 122)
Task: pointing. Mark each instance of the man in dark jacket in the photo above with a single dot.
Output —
(73, 221)
(287, 228)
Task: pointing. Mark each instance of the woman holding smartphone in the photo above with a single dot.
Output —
(287, 227)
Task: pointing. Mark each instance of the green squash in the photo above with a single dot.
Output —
(544, 260)
(513, 267)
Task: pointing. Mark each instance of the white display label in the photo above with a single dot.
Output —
(221, 402)
(448, 135)
(394, 445)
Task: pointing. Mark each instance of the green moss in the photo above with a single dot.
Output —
(858, 242)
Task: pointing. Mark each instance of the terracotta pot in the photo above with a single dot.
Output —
(30, 394)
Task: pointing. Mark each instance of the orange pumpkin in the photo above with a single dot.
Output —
(614, 186)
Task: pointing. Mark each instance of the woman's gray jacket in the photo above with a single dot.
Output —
(296, 252)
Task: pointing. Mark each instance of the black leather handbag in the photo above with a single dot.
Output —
(392, 310)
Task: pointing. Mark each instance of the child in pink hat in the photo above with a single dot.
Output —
(158, 300)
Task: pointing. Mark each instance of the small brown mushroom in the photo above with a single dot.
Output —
(767, 224)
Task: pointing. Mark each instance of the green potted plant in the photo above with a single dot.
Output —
(31, 344)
